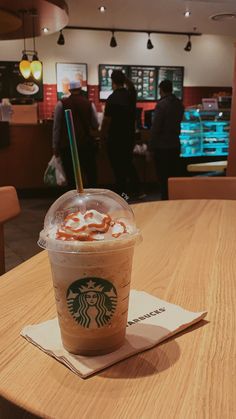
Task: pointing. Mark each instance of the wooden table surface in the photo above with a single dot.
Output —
(211, 166)
(187, 257)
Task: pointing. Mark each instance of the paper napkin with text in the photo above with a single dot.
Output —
(150, 321)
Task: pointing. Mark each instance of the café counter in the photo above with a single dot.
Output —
(24, 158)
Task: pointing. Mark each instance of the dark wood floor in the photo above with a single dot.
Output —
(21, 234)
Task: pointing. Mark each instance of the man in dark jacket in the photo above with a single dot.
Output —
(118, 129)
(165, 131)
(85, 119)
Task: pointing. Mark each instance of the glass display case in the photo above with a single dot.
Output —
(205, 133)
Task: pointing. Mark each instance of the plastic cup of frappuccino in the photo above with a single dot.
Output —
(90, 239)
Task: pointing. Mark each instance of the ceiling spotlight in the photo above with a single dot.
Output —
(188, 46)
(187, 13)
(113, 42)
(45, 30)
(149, 42)
(61, 39)
(102, 9)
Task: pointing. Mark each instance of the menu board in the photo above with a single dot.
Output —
(104, 77)
(68, 72)
(14, 86)
(174, 74)
(145, 82)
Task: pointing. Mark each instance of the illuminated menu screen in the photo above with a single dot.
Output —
(104, 76)
(174, 74)
(145, 82)
(14, 86)
(145, 78)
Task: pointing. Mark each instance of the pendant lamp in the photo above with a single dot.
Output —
(27, 68)
(36, 65)
(24, 64)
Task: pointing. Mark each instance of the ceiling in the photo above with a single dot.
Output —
(145, 15)
(36, 14)
(158, 15)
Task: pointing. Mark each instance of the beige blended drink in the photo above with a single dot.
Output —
(90, 238)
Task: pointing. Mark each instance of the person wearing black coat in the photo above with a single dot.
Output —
(165, 131)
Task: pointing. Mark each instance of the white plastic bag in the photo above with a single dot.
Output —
(140, 149)
(54, 174)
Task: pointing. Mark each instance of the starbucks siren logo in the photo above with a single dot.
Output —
(92, 301)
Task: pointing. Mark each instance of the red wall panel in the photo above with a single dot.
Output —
(192, 96)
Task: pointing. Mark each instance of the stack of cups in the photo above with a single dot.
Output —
(90, 238)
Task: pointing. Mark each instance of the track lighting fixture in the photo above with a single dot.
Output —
(113, 42)
(61, 39)
(149, 42)
(188, 46)
(149, 45)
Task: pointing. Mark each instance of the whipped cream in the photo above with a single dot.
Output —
(90, 226)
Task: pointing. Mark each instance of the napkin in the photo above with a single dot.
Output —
(150, 321)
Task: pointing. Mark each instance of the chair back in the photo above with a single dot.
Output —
(9, 208)
(202, 187)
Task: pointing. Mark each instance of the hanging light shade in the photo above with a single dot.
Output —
(113, 43)
(149, 42)
(61, 39)
(36, 67)
(25, 66)
(188, 46)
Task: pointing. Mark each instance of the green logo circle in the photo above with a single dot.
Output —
(92, 301)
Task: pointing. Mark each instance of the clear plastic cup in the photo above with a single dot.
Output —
(91, 267)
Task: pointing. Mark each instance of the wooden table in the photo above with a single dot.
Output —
(211, 166)
(187, 257)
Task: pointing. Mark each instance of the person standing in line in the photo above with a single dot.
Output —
(118, 130)
(165, 131)
(85, 119)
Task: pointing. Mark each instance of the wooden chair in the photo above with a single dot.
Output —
(202, 187)
(9, 208)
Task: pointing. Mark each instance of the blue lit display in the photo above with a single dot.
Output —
(204, 133)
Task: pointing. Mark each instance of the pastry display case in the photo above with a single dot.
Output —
(205, 133)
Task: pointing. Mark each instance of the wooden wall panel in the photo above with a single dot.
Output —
(24, 160)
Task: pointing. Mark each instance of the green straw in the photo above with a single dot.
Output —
(74, 150)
